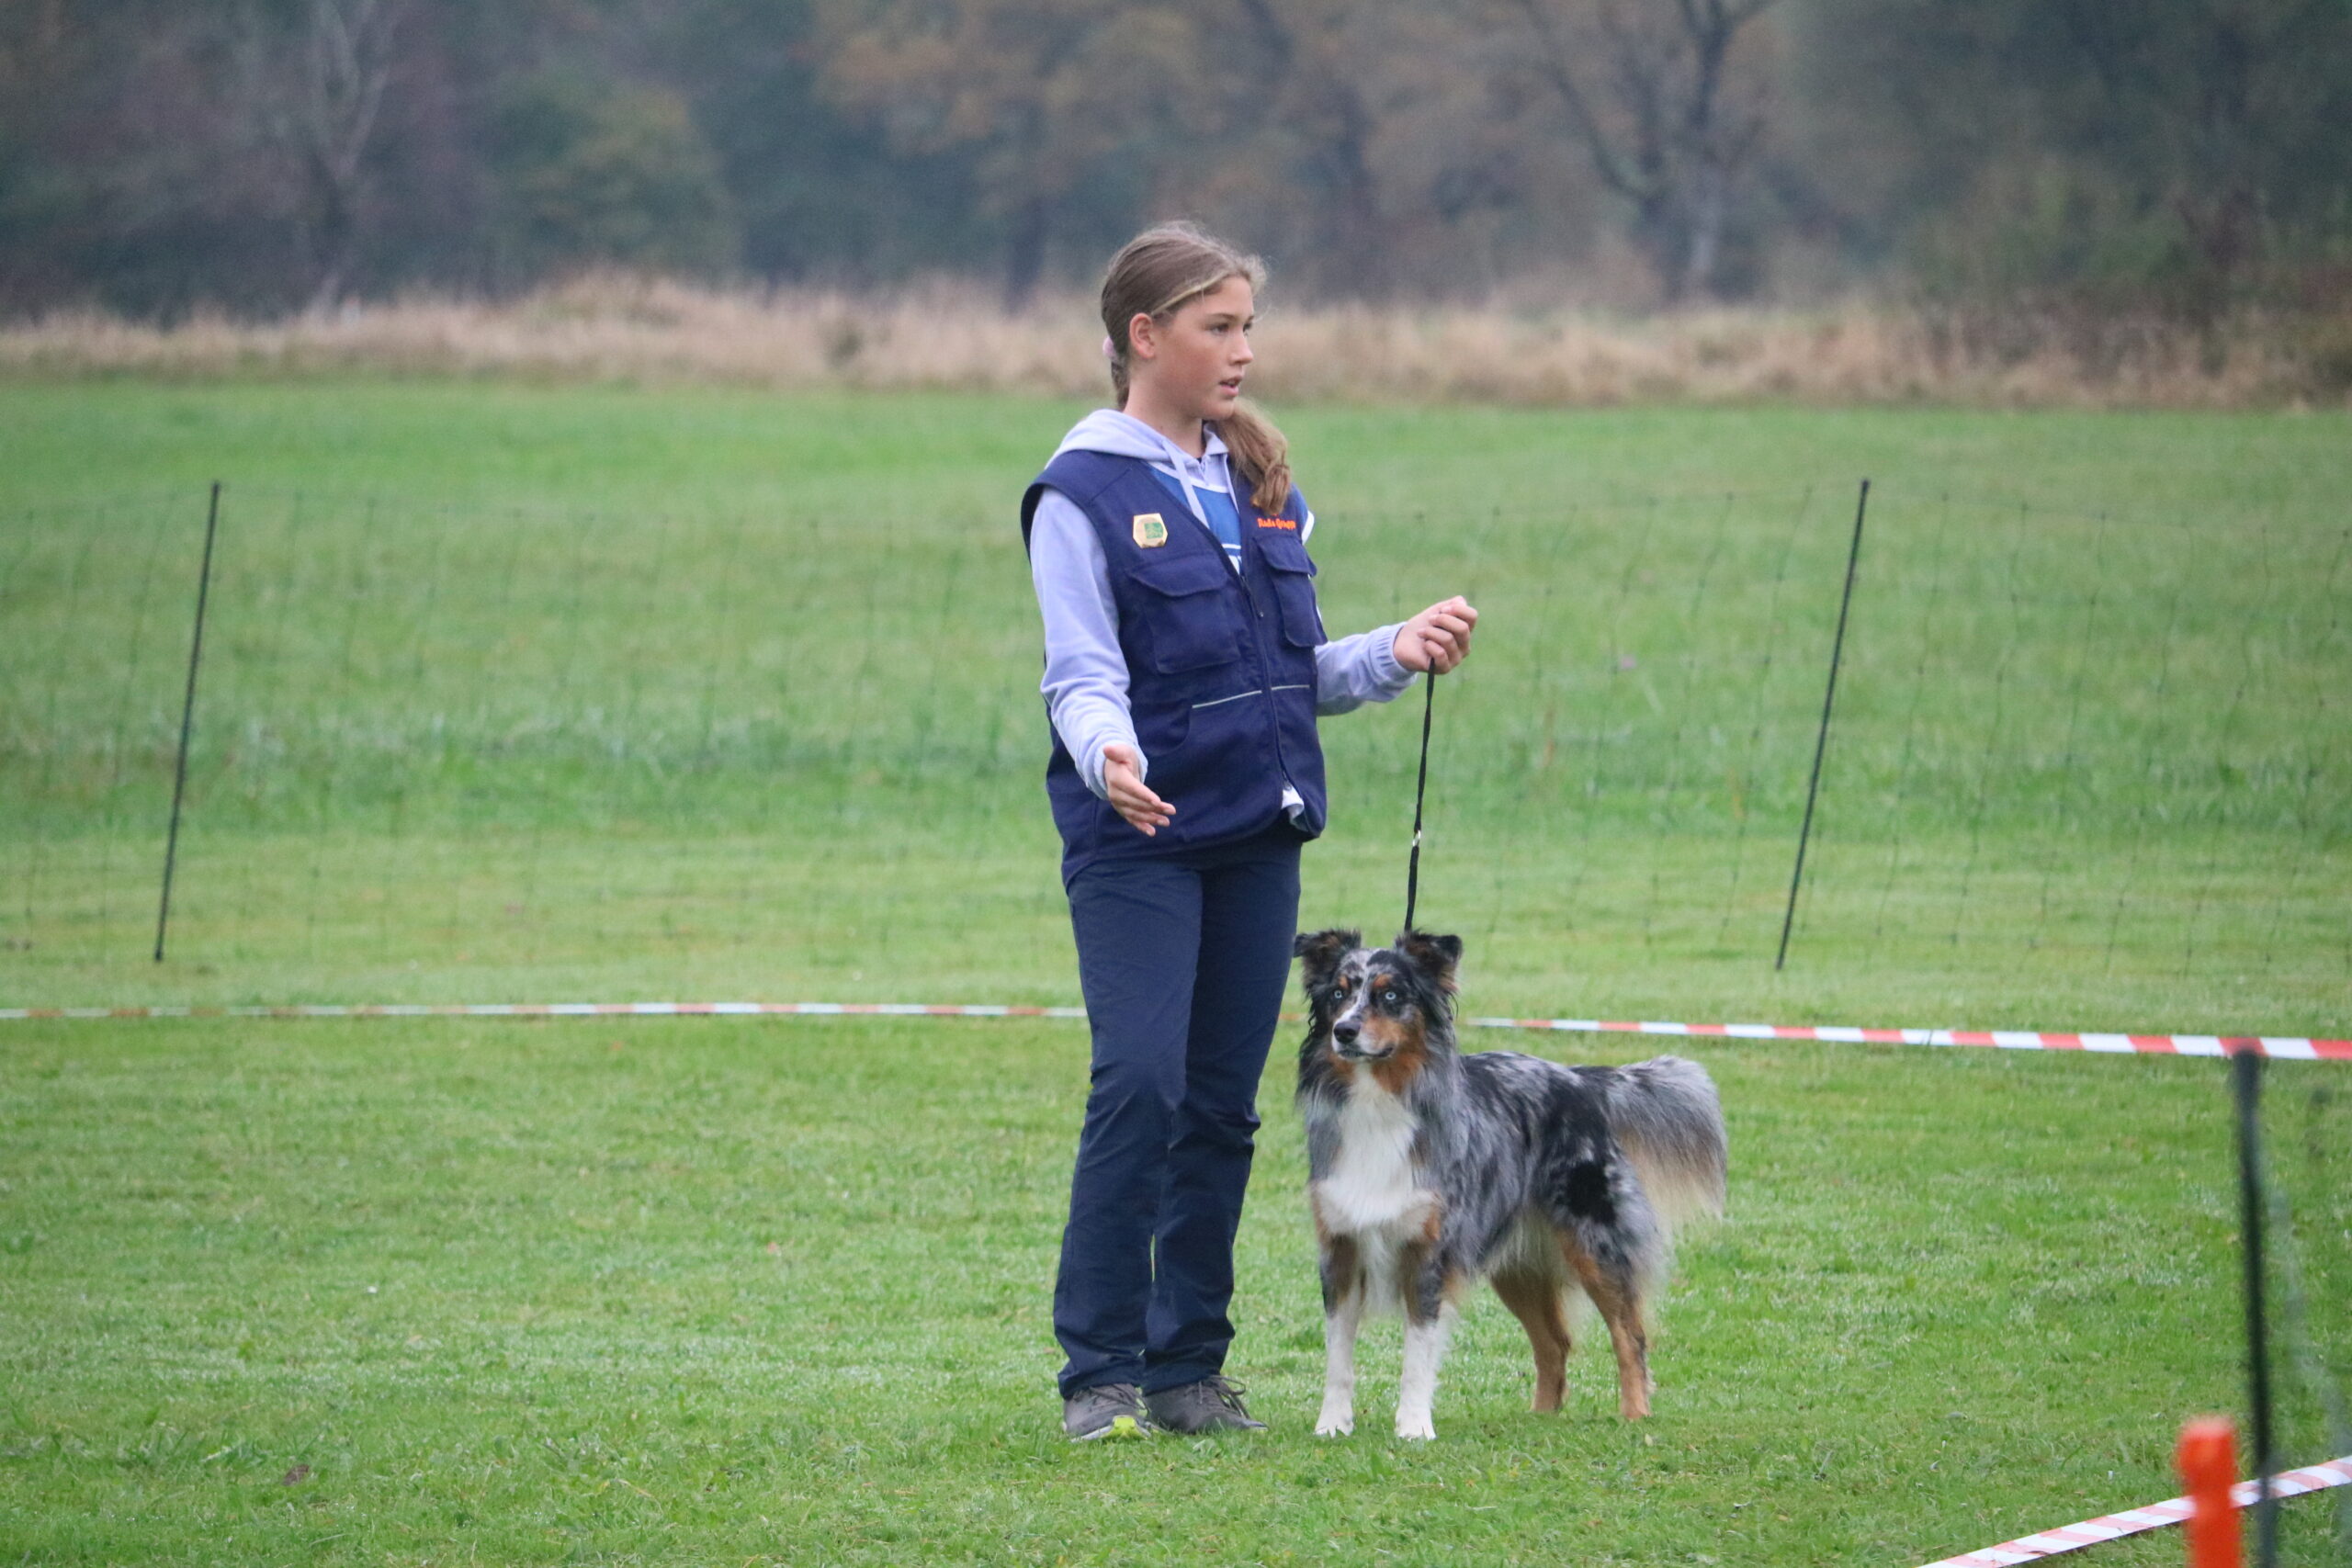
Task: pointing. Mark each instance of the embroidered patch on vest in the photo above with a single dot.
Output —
(1150, 532)
(1289, 522)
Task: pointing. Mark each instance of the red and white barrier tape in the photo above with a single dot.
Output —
(556, 1009)
(2293, 1047)
(2132, 1521)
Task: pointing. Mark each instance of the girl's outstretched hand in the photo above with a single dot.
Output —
(1123, 778)
(1438, 636)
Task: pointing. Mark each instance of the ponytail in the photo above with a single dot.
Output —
(1155, 274)
(1260, 454)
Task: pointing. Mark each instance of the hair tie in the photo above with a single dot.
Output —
(1110, 351)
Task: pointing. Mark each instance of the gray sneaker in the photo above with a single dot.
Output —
(1106, 1410)
(1212, 1404)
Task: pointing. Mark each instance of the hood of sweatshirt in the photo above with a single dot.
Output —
(1123, 436)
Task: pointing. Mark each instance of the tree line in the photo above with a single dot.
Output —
(2173, 156)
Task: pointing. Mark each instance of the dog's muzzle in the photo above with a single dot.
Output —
(1344, 1035)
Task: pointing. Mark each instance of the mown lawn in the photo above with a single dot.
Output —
(511, 692)
(714, 1291)
(546, 693)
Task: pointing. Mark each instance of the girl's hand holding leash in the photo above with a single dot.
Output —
(1439, 638)
(1123, 778)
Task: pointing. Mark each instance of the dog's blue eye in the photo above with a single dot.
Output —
(1389, 996)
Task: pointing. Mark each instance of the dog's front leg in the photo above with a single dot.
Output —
(1429, 1320)
(1417, 1393)
(1342, 1311)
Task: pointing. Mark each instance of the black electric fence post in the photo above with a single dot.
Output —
(2245, 1081)
(187, 719)
(1821, 742)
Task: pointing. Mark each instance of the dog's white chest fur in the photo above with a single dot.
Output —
(1372, 1186)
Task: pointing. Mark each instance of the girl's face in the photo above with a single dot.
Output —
(1194, 361)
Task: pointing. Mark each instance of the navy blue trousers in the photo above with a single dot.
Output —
(1184, 960)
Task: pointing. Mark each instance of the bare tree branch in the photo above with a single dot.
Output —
(319, 99)
(1665, 139)
(1554, 64)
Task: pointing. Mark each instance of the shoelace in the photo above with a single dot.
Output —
(1115, 1392)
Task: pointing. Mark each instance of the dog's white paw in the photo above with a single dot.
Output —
(1416, 1428)
(1334, 1423)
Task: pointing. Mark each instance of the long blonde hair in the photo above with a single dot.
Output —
(1155, 274)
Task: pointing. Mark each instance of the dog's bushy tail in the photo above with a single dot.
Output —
(1665, 1112)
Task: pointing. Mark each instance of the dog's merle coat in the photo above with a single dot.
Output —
(1428, 1169)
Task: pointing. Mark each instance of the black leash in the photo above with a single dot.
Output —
(1420, 792)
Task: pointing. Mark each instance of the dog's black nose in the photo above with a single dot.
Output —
(1346, 1030)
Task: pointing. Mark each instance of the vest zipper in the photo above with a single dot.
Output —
(1245, 511)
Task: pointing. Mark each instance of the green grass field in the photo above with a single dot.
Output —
(525, 693)
(516, 693)
(718, 1292)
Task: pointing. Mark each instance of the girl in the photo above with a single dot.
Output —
(1185, 667)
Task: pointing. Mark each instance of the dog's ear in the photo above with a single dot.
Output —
(1435, 957)
(1320, 951)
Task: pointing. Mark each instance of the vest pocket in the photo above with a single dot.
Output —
(1188, 622)
(1293, 575)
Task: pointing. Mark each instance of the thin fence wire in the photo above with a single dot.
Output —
(450, 754)
(2093, 735)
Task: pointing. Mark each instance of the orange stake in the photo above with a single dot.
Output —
(2208, 1460)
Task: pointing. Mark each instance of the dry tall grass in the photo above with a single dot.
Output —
(616, 328)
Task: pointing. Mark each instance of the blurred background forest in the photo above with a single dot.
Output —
(2172, 167)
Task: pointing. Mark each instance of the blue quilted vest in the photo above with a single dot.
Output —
(1220, 664)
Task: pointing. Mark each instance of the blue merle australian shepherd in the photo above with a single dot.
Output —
(1428, 1169)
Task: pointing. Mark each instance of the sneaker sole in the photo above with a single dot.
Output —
(1210, 1428)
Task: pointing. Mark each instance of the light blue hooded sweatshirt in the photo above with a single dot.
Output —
(1086, 677)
